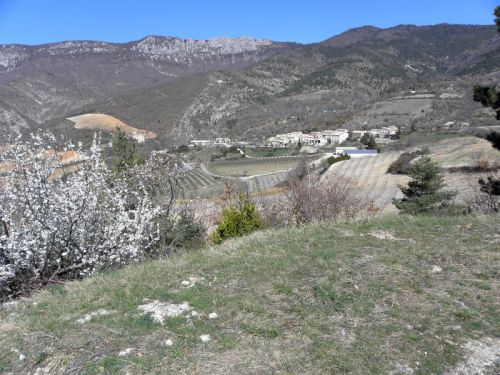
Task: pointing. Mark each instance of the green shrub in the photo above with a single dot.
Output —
(187, 232)
(239, 219)
(335, 159)
(403, 164)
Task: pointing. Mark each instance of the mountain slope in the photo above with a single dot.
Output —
(246, 88)
(48, 81)
(353, 297)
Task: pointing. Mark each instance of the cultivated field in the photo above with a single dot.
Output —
(252, 167)
(266, 182)
(465, 151)
(370, 175)
(109, 123)
(197, 184)
(398, 109)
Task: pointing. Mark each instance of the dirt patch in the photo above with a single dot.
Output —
(109, 123)
(94, 314)
(161, 310)
(482, 356)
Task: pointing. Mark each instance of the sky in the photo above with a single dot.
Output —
(307, 21)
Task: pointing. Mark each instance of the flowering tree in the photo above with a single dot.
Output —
(67, 220)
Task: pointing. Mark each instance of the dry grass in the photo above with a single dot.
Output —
(369, 174)
(107, 123)
(465, 151)
(323, 298)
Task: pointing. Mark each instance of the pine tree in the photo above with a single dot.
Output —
(424, 192)
(369, 141)
(125, 152)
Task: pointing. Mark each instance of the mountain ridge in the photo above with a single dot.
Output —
(260, 85)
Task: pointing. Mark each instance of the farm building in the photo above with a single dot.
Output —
(223, 141)
(335, 136)
(283, 140)
(314, 139)
(201, 143)
(360, 153)
(389, 131)
(318, 139)
(339, 150)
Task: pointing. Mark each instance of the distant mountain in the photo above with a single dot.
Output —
(242, 87)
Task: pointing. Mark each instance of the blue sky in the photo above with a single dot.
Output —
(43, 21)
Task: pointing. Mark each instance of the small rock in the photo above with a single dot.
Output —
(436, 269)
(125, 352)
(205, 338)
(22, 357)
(169, 343)
(212, 315)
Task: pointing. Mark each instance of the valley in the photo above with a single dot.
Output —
(243, 205)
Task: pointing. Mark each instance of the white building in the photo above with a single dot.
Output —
(318, 139)
(341, 150)
(360, 153)
(284, 140)
(201, 143)
(223, 141)
(335, 136)
(314, 139)
(388, 131)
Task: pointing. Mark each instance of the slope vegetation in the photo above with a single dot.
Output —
(393, 294)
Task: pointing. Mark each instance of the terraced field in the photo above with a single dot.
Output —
(253, 167)
(195, 179)
(369, 174)
(262, 183)
(464, 151)
(197, 184)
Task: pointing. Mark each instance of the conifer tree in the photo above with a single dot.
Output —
(424, 192)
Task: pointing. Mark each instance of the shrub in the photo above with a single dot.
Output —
(487, 199)
(369, 141)
(68, 221)
(238, 219)
(125, 152)
(423, 193)
(402, 165)
(315, 199)
(335, 159)
(185, 232)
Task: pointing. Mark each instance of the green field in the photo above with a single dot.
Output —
(387, 295)
(251, 167)
(269, 152)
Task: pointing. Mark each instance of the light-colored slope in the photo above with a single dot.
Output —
(370, 175)
(109, 123)
(464, 151)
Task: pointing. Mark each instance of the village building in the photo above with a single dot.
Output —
(388, 131)
(222, 142)
(339, 150)
(201, 143)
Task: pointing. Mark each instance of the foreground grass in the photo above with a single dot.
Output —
(386, 295)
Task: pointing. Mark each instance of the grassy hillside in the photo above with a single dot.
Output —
(387, 295)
